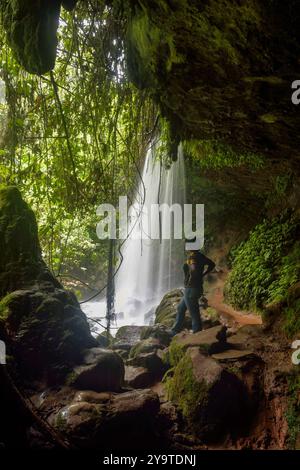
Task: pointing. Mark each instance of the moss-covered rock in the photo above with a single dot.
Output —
(210, 398)
(42, 323)
(165, 313)
(31, 27)
(208, 341)
(158, 331)
(129, 334)
(189, 54)
(46, 329)
(145, 346)
(21, 262)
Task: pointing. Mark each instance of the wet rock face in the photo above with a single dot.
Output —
(42, 323)
(238, 57)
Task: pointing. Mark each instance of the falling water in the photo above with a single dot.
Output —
(150, 267)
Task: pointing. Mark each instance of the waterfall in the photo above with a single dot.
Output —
(150, 267)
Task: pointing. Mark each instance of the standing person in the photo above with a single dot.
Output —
(194, 271)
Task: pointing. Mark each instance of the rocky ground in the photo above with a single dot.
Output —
(224, 387)
(230, 386)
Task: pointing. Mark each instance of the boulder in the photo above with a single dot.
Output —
(165, 313)
(145, 346)
(92, 397)
(248, 337)
(211, 399)
(120, 421)
(138, 377)
(232, 355)
(210, 341)
(100, 370)
(152, 362)
(46, 330)
(145, 369)
(123, 353)
(42, 323)
(158, 331)
(104, 340)
(127, 336)
(129, 333)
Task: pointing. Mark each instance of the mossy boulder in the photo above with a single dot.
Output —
(31, 27)
(145, 346)
(165, 313)
(206, 340)
(158, 331)
(104, 339)
(42, 323)
(211, 399)
(45, 329)
(129, 334)
(21, 261)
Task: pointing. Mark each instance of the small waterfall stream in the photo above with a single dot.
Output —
(150, 267)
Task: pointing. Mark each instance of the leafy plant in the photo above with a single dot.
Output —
(266, 264)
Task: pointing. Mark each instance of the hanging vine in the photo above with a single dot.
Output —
(72, 135)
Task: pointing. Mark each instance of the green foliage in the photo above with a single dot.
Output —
(4, 306)
(175, 352)
(151, 52)
(292, 414)
(281, 185)
(74, 139)
(211, 154)
(266, 264)
(291, 315)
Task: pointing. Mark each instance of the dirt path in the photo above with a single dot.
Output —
(216, 300)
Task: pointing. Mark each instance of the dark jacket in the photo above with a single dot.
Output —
(194, 270)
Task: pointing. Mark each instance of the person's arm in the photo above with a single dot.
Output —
(210, 266)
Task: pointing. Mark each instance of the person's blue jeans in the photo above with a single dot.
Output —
(190, 302)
